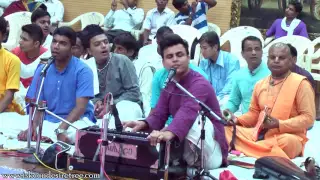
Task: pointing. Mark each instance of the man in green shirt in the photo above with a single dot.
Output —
(246, 78)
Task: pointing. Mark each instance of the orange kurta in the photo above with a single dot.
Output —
(293, 104)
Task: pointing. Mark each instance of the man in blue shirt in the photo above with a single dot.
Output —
(246, 78)
(219, 65)
(67, 89)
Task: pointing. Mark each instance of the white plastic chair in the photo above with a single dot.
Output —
(235, 37)
(189, 34)
(300, 43)
(16, 21)
(86, 19)
(215, 28)
(311, 56)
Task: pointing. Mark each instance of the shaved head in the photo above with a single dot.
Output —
(279, 59)
(279, 45)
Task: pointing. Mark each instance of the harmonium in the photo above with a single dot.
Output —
(128, 155)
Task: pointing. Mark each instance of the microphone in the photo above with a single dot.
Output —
(172, 72)
(47, 65)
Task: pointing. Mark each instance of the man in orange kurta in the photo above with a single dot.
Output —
(290, 100)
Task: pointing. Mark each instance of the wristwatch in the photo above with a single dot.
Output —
(60, 131)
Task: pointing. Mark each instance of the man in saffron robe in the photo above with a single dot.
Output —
(174, 51)
(289, 98)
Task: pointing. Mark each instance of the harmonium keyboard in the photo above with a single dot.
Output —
(128, 155)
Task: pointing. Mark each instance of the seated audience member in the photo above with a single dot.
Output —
(296, 69)
(289, 25)
(67, 89)
(42, 19)
(150, 52)
(30, 48)
(219, 65)
(4, 4)
(246, 78)
(23, 5)
(194, 15)
(123, 20)
(156, 18)
(9, 76)
(161, 75)
(127, 45)
(78, 50)
(117, 75)
(174, 51)
(288, 100)
(55, 9)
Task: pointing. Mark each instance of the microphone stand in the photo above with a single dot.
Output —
(42, 108)
(29, 149)
(201, 172)
(104, 138)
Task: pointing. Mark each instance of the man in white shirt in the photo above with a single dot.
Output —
(4, 4)
(156, 18)
(42, 19)
(55, 9)
(125, 19)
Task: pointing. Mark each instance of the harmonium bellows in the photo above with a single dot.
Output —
(128, 155)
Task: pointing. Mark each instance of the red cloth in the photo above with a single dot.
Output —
(25, 60)
(227, 175)
(15, 6)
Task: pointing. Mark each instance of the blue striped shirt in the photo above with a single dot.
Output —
(199, 19)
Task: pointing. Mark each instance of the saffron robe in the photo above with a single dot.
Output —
(292, 103)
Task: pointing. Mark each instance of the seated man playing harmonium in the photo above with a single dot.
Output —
(185, 127)
(281, 110)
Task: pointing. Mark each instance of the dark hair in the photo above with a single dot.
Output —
(39, 13)
(293, 50)
(250, 38)
(68, 32)
(127, 41)
(3, 26)
(162, 31)
(89, 32)
(297, 6)
(178, 3)
(211, 38)
(34, 31)
(172, 40)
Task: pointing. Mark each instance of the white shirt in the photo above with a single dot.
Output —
(4, 4)
(93, 66)
(47, 42)
(145, 71)
(154, 20)
(150, 54)
(55, 9)
(125, 19)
